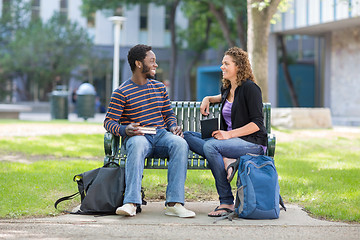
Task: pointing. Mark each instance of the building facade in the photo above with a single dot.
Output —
(333, 28)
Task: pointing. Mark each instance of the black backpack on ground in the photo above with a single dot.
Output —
(101, 190)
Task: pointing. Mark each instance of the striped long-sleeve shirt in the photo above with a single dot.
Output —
(146, 104)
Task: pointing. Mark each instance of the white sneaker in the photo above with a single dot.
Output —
(127, 209)
(179, 210)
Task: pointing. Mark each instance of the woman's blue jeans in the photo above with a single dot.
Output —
(162, 144)
(214, 150)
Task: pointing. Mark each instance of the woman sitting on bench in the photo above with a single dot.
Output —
(242, 127)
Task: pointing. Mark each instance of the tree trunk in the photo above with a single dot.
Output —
(241, 32)
(221, 17)
(194, 61)
(173, 58)
(257, 41)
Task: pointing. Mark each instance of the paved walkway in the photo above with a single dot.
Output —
(153, 224)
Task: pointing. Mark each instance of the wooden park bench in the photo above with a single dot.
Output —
(188, 117)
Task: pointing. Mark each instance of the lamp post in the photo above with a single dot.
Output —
(116, 69)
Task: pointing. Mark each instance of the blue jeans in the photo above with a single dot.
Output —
(162, 144)
(214, 150)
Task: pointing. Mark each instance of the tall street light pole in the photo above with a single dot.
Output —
(117, 21)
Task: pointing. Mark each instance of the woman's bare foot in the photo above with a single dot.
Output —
(227, 162)
(221, 210)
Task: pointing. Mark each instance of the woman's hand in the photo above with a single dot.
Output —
(204, 107)
(221, 135)
(205, 103)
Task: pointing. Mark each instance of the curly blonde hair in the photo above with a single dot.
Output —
(241, 60)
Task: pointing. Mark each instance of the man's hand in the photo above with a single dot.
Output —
(204, 107)
(133, 130)
(177, 131)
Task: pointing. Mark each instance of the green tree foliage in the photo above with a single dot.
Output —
(203, 33)
(10, 21)
(232, 18)
(43, 54)
(213, 24)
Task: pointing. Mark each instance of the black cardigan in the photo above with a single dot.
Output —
(247, 107)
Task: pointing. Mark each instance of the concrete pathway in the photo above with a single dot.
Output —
(153, 224)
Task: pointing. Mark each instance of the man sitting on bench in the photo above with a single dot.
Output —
(143, 102)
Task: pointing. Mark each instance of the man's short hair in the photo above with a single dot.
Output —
(137, 53)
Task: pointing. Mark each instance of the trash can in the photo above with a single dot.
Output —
(59, 103)
(85, 101)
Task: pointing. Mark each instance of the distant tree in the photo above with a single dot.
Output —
(246, 23)
(13, 18)
(45, 54)
(203, 33)
(231, 16)
(15, 15)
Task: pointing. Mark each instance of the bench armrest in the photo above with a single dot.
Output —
(271, 145)
(111, 145)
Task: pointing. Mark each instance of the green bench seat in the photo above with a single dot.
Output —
(188, 117)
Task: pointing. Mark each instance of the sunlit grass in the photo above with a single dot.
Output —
(66, 145)
(321, 175)
(31, 189)
(199, 186)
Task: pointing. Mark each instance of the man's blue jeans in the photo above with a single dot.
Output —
(214, 150)
(162, 144)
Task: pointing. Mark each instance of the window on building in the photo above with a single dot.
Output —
(64, 10)
(144, 16)
(35, 9)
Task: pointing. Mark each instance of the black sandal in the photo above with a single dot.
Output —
(235, 166)
(228, 211)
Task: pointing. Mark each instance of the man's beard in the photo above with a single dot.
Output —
(146, 70)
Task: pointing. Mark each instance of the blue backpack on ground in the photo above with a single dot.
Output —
(258, 191)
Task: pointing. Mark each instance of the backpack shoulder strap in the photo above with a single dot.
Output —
(65, 198)
(281, 202)
(229, 216)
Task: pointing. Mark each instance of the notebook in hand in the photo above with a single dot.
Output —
(147, 130)
(208, 126)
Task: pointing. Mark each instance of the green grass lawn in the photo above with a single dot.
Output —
(321, 175)
(66, 145)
